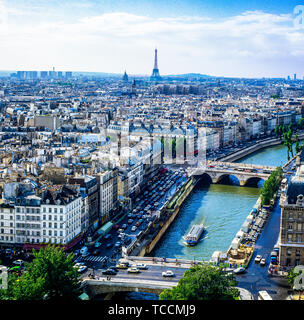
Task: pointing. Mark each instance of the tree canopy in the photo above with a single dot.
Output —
(50, 276)
(203, 282)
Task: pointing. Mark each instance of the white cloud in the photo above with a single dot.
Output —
(112, 42)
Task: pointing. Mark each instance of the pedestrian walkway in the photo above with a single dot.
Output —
(93, 259)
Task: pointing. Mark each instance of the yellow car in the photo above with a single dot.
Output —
(121, 266)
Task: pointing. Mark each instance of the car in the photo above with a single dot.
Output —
(114, 268)
(116, 227)
(118, 244)
(78, 264)
(141, 266)
(124, 226)
(130, 221)
(239, 270)
(97, 244)
(121, 235)
(15, 268)
(96, 252)
(120, 231)
(263, 262)
(109, 272)
(108, 236)
(258, 258)
(168, 273)
(18, 262)
(82, 269)
(121, 266)
(133, 270)
(109, 245)
(133, 228)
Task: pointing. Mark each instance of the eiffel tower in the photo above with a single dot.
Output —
(155, 73)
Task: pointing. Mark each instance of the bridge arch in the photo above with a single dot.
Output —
(254, 182)
(227, 178)
(205, 178)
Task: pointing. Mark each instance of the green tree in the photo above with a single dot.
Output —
(300, 123)
(49, 276)
(271, 185)
(203, 282)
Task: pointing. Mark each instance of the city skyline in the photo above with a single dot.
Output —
(250, 40)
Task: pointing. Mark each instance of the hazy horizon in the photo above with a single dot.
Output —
(219, 38)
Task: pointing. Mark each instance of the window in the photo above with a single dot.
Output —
(289, 238)
(299, 226)
(299, 238)
(50, 217)
(290, 227)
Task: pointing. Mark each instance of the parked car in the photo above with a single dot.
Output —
(109, 245)
(133, 228)
(18, 262)
(116, 227)
(263, 262)
(239, 270)
(108, 236)
(168, 273)
(97, 244)
(258, 258)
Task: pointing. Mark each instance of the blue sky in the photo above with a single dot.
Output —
(216, 37)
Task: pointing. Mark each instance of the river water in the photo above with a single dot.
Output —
(221, 208)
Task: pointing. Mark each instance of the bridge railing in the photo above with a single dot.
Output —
(159, 259)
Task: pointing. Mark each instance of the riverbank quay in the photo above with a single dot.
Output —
(246, 151)
(148, 240)
(242, 246)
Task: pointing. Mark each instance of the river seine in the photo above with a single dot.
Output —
(221, 208)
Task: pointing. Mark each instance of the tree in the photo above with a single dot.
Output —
(300, 123)
(49, 276)
(203, 282)
(271, 185)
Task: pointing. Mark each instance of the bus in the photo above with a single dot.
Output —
(264, 295)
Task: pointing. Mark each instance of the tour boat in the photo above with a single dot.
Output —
(194, 235)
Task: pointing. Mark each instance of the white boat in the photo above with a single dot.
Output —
(194, 235)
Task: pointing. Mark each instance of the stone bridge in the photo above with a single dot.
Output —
(102, 286)
(245, 173)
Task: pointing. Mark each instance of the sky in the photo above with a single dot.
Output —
(215, 37)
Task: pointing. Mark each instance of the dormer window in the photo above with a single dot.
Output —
(300, 200)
